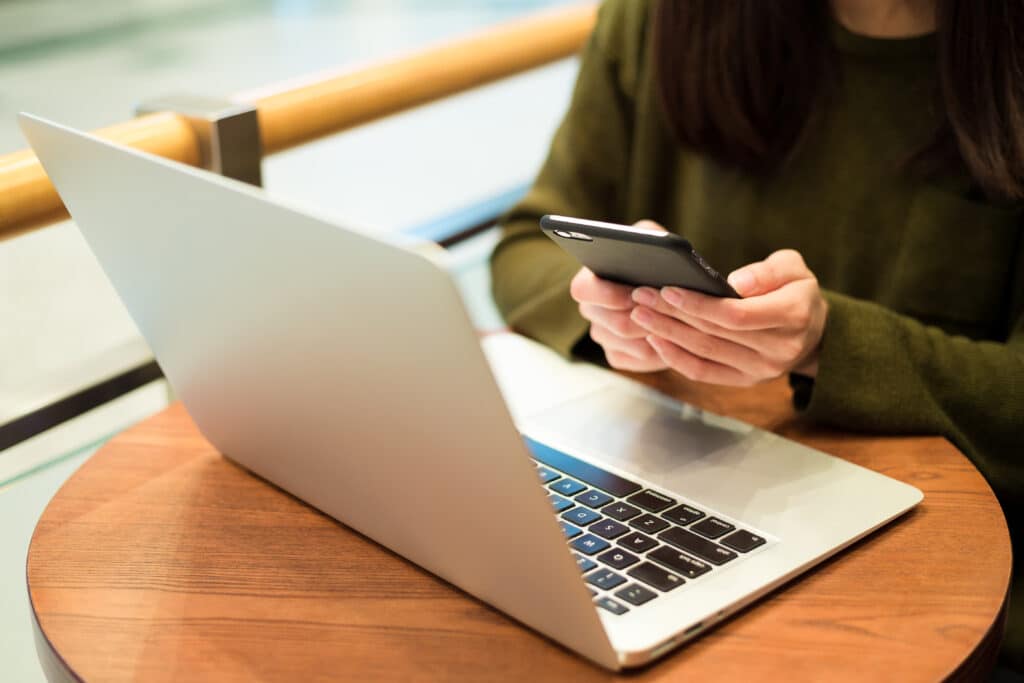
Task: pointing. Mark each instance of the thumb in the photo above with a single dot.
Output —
(761, 277)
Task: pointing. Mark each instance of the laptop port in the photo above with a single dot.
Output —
(693, 629)
(665, 647)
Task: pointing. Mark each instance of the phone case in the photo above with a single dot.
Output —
(635, 256)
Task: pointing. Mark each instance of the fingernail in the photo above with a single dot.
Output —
(641, 316)
(645, 296)
(673, 295)
(741, 281)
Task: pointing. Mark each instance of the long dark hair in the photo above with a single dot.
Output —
(741, 80)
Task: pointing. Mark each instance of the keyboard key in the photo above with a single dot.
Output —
(678, 562)
(635, 594)
(611, 605)
(638, 543)
(608, 528)
(546, 475)
(742, 540)
(605, 579)
(560, 504)
(595, 476)
(621, 511)
(652, 501)
(697, 545)
(585, 563)
(569, 530)
(649, 523)
(656, 576)
(683, 514)
(618, 559)
(712, 527)
(593, 498)
(589, 544)
(567, 487)
(580, 516)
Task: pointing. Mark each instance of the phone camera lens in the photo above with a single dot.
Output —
(571, 235)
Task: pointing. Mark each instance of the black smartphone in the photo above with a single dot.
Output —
(636, 256)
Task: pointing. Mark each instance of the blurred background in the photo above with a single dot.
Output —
(88, 65)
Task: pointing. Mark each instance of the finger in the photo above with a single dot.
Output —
(609, 341)
(762, 341)
(617, 322)
(777, 348)
(780, 268)
(649, 225)
(625, 354)
(622, 361)
(589, 288)
(703, 345)
(697, 369)
(652, 299)
(784, 308)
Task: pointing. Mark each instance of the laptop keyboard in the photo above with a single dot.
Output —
(632, 543)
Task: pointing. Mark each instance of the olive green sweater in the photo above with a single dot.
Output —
(924, 280)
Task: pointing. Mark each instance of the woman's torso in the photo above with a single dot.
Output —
(847, 199)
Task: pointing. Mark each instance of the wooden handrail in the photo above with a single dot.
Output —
(298, 112)
(27, 197)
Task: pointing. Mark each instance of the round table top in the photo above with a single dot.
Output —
(161, 560)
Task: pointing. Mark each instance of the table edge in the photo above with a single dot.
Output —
(982, 657)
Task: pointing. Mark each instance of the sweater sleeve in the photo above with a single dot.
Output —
(582, 176)
(881, 371)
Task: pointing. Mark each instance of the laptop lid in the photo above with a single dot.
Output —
(339, 366)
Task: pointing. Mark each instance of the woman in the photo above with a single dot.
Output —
(857, 165)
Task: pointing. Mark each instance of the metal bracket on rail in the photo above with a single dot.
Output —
(228, 132)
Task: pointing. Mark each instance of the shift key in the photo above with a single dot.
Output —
(697, 545)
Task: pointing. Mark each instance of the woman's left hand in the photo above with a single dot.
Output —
(775, 329)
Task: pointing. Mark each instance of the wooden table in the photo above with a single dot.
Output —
(160, 560)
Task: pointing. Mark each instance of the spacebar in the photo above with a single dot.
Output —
(585, 472)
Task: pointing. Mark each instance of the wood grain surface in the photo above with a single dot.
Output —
(160, 560)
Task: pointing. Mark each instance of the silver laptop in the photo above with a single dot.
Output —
(343, 367)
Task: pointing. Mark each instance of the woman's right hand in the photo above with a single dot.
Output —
(607, 306)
